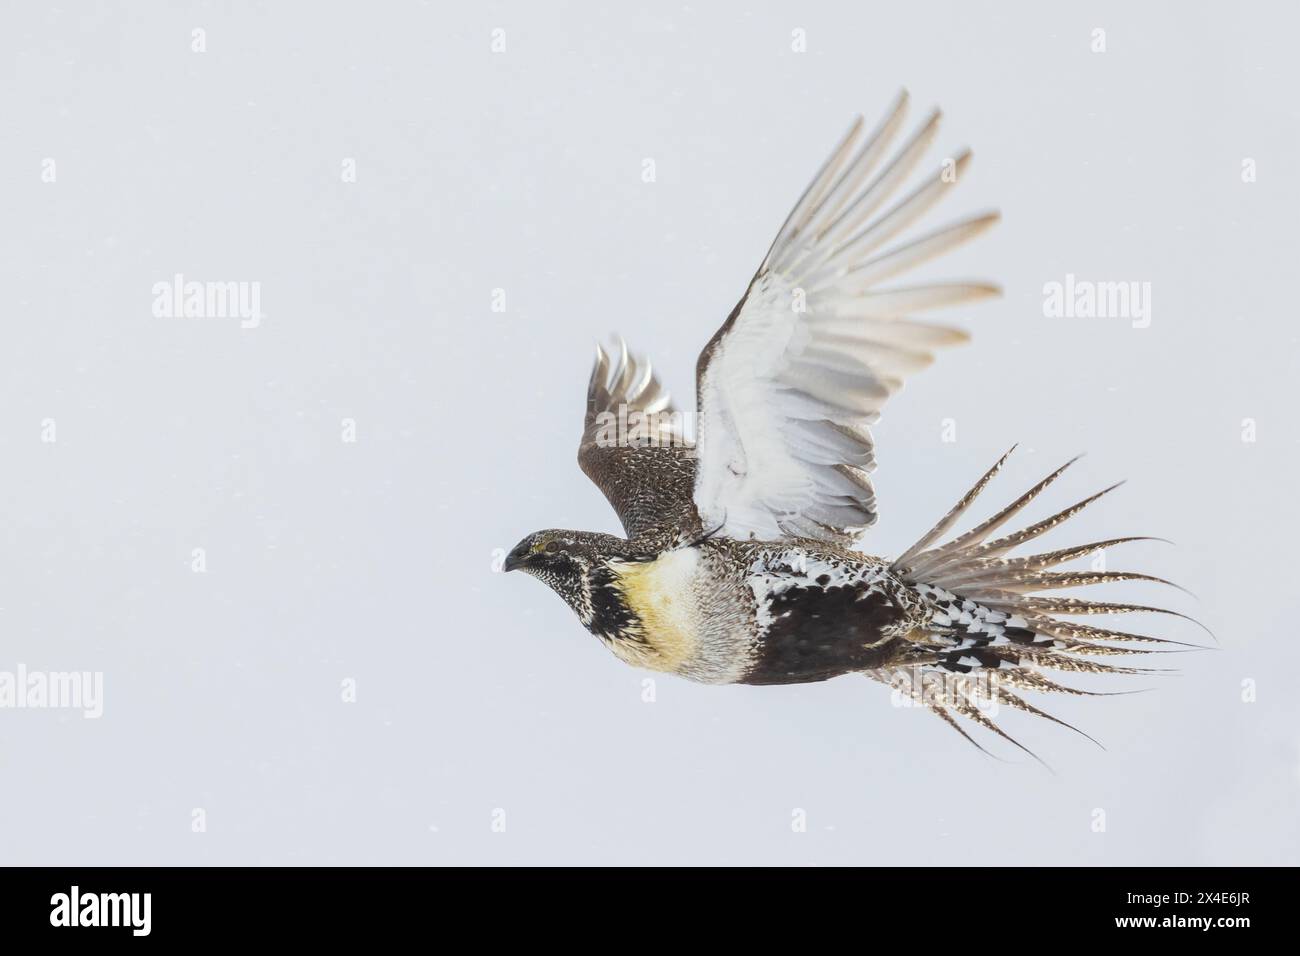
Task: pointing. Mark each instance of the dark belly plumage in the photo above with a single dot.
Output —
(822, 632)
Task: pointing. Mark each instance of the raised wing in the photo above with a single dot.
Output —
(789, 384)
(635, 449)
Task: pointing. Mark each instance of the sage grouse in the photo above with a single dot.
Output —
(739, 565)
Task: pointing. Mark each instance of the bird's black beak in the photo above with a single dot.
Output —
(515, 559)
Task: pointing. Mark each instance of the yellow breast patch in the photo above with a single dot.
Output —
(661, 594)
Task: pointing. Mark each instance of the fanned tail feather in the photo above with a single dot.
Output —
(987, 633)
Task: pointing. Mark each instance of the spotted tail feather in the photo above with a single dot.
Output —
(988, 634)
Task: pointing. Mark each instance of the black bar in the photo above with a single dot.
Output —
(368, 905)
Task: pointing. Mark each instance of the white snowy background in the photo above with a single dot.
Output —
(487, 726)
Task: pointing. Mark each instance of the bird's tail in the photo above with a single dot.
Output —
(988, 636)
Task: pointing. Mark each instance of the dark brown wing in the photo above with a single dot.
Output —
(634, 447)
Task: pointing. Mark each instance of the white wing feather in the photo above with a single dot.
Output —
(789, 384)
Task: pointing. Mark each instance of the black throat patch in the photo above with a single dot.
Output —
(611, 618)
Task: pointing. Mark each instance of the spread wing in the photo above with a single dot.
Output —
(635, 449)
(789, 384)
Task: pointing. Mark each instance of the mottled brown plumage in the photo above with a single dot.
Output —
(634, 448)
(740, 565)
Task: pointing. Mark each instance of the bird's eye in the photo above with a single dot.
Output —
(551, 547)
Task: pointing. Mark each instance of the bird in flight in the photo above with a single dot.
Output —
(739, 564)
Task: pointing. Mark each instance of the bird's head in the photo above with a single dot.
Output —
(574, 564)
